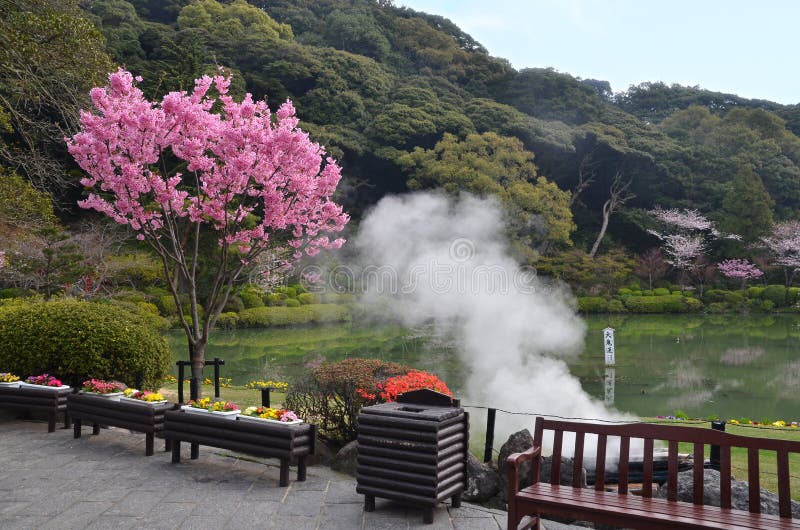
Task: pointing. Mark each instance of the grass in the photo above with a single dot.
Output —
(244, 397)
(768, 473)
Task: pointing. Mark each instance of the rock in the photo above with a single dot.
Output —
(323, 454)
(346, 460)
(483, 482)
(522, 441)
(516, 443)
(711, 494)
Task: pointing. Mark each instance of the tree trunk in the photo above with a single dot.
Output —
(602, 234)
(198, 360)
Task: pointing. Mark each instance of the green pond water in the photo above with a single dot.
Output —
(728, 366)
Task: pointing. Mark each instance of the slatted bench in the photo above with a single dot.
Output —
(527, 505)
(266, 439)
(50, 401)
(138, 417)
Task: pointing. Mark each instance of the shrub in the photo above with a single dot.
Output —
(662, 304)
(166, 304)
(227, 320)
(754, 292)
(290, 292)
(275, 299)
(767, 305)
(647, 292)
(717, 307)
(624, 291)
(592, 304)
(292, 302)
(715, 296)
(82, 340)
(251, 296)
(616, 306)
(234, 304)
(307, 298)
(734, 298)
(661, 291)
(261, 317)
(329, 395)
(775, 294)
(792, 295)
(337, 298)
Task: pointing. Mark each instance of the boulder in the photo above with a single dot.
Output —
(346, 460)
(711, 494)
(483, 482)
(323, 454)
(522, 441)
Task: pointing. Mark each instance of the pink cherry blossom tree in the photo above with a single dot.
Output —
(193, 164)
(739, 269)
(685, 237)
(783, 243)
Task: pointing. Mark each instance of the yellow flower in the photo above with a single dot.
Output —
(734, 422)
(779, 423)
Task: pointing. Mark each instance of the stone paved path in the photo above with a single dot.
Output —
(52, 481)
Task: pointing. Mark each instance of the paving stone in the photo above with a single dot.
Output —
(483, 523)
(295, 522)
(10, 508)
(114, 522)
(203, 523)
(343, 493)
(306, 503)
(25, 523)
(137, 503)
(79, 515)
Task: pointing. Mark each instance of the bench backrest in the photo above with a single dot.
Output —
(672, 434)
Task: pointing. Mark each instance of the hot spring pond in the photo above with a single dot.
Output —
(726, 366)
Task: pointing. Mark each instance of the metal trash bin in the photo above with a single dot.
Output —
(413, 451)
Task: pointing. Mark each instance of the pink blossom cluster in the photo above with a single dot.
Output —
(682, 219)
(98, 386)
(241, 164)
(288, 415)
(43, 380)
(784, 243)
(739, 268)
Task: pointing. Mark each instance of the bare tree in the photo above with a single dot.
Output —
(618, 196)
(587, 171)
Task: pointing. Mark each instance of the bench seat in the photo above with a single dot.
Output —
(632, 511)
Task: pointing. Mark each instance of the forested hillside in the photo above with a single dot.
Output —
(405, 101)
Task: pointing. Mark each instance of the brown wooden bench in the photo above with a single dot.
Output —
(620, 508)
(28, 399)
(139, 417)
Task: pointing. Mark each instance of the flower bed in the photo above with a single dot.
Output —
(107, 389)
(267, 414)
(44, 381)
(207, 406)
(9, 380)
(143, 397)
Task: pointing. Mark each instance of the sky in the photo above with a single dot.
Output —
(748, 48)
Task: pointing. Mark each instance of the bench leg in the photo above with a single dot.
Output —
(51, 422)
(427, 515)
(67, 420)
(369, 503)
(456, 500)
(96, 429)
(284, 481)
(167, 444)
(195, 451)
(76, 429)
(176, 452)
(301, 469)
(149, 441)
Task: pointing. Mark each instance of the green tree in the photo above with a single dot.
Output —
(491, 165)
(747, 207)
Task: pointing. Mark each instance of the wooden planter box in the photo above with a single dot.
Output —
(99, 410)
(29, 398)
(284, 442)
(413, 451)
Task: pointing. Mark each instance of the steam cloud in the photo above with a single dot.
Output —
(450, 262)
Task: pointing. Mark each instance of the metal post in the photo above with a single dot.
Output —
(487, 449)
(265, 397)
(180, 365)
(714, 460)
(216, 377)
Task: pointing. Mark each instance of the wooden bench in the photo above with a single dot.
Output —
(620, 508)
(266, 439)
(50, 401)
(139, 417)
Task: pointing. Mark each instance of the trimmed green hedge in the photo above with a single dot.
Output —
(775, 294)
(663, 304)
(78, 340)
(260, 317)
(592, 304)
